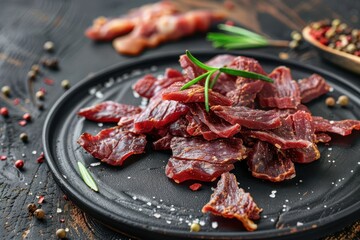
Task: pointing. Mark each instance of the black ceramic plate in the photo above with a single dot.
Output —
(140, 200)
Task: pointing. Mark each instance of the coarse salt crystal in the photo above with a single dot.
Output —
(299, 224)
(95, 164)
(214, 225)
(157, 215)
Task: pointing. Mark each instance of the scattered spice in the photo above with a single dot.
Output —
(31, 75)
(195, 227)
(40, 106)
(49, 46)
(65, 197)
(6, 90)
(40, 95)
(65, 84)
(41, 199)
(3, 157)
(41, 158)
(62, 220)
(16, 101)
(283, 55)
(293, 44)
(27, 117)
(22, 123)
(19, 164)
(24, 137)
(296, 36)
(51, 63)
(31, 207)
(48, 81)
(61, 233)
(4, 111)
(35, 68)
(195, 186)
(39, 213)
(343, 101)
(330, 101)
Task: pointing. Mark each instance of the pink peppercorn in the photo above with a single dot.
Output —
(19, 164)
(4, 111)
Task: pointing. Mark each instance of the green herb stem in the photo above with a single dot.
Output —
(86, 176)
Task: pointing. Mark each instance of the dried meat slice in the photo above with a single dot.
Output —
(248, 117)
(179, 127)
(282, 137)
(343, 127)
(312, 87)
(183, 170)
(163, 143)
(193, 94)
(197, 128)
(267, 162)
(230, 201)
(113, 145)
(145, 86)
(215, 124)
(322, 137)
(219, 151)
(283, 93)
(158, 114)
(108, 111)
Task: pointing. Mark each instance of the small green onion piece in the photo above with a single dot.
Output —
(198, 62)
(194, 81)
(206, 90)
(88, 179)
(215, 79)
(246, 74)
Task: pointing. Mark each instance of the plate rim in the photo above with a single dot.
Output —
(94, 209)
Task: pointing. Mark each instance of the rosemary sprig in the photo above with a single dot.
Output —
(210, 71)
(240, 38)
(86, 176)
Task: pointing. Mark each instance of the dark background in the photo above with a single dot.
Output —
(25, 26)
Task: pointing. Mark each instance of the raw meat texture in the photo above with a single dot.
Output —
(248, 117)
(197, 128)
(246, 89)
(267, 162)
(215, 124)
(230, 201)
(108, 111)
(113, 145)
(183, 170)
(195, 93)
(106, 29)
(283, 93)
(219, 151)
(312, 87)
(282, 137)
(149, 34)
(303, 129)
(343, 127)
(159, 113)
(149, 85)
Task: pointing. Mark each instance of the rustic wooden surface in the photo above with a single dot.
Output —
(24, 27)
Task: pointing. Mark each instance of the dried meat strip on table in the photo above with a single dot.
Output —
(248, 117)
(230, 201)
(108, 111)
(269, 163)
(149, 85)
(312, 87)
(343, 127)
(197, 128)
(113, 145)
(183, 170)
(194, 93)
(283, 93)
(219, 151)
(106, 29)
(149, 34)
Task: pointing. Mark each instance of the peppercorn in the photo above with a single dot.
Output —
(51, 63)
(195, 227)
(4, 111)
(343, 101)
(330, 101)
(19, 164)
(65, 84)
(39, 213)
(27, 116)
(31, 75)
(31, 207)
(40, 94)
(293, 44)
(35, 68)
(296, 36)
(350, 48)
(61, 233)
(24, 137)
(335, 22)
(6, 90)
(49, 46)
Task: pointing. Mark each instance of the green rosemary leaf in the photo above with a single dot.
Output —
(239, 31)
(198, 62)
(246, 74)
(194, 81)
(86, 176)
(215, 79)
(206, 90)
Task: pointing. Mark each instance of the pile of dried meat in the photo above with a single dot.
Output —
(150, 25)
(264, 124)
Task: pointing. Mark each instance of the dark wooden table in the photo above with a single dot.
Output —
(25, 26)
